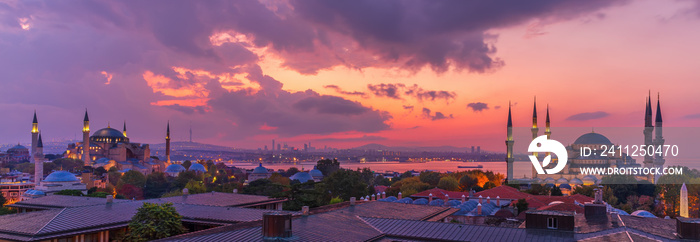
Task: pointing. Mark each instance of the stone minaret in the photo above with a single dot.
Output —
(648, 130)
(38, 158)
(684, 201)
(534, 130)
(659, 139)
(167, 143)
(86, 140)
(509, 146)
(124, 132)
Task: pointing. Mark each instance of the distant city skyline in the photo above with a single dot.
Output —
(403, 76)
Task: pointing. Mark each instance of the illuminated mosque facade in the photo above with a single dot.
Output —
(109, 148)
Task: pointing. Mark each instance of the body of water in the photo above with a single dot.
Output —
(521, 168)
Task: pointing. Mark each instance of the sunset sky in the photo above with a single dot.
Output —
(343, 73)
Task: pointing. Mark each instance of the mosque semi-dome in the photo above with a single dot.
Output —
(316, 172)
(175, 168)
(197, 167)
(302, 177)
(61, 176)
(592, 138)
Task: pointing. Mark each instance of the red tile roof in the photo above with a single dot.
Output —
(563, 207)
(440, 194)
(504, 192)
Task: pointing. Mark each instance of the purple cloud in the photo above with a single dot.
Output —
(478, 106)
(588, 116)
(438, 115)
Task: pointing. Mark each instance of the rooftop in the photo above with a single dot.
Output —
(62, 201)
(220, 199)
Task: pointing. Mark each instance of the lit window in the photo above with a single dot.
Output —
(552, 223)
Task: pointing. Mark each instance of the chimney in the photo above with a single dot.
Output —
(383, 195)
(478, 209)
(374, 198)
(305, 210)
(366, 199)
(352, 201)
(480, 199)
(185, 192)
(598, 195)
(447, 198)
(276, 226)
(400, 196)
(430, 198)
(463, 198)
(110, 199)
(488, 199)
(379, 196)
(235, 190)
(471, 193)
(498, 201)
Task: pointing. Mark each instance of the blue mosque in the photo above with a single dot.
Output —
(571, 174)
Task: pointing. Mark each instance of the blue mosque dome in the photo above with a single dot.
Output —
(61, 176)
(301, 177)
(175, 168)
(197, 167)
(260, 170)
(592, 138)
(108, 133)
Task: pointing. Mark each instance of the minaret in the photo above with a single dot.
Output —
(35, 133)
(86, 140)
(535, 130)
(684, 201)
(38, 158)
(548, 132)
(124, 132)
(659, 139)
(648, 130)
(167, 143)
(509, 146)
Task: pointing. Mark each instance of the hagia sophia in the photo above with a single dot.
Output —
(108, 148)
(571, 175)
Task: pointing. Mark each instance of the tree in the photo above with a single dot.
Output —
(68, 164)
(132, 177)
(187, 164)
(99, 171)
(448, 183)
(556, 191)
(195, 187)
(489, 185)
(69, 192)
(430, 177)
(2, 200)
(99, 194)
(327, 166)
(130, 191)
(264, 187)
(522, 205)
(538, 189)
(585, 190)
(346, 183)
(156, 185)
(609, 196)
(467, 182)
(279, 179)
(114, 175)
(155, 221)
(407, 187)
(290, 172)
